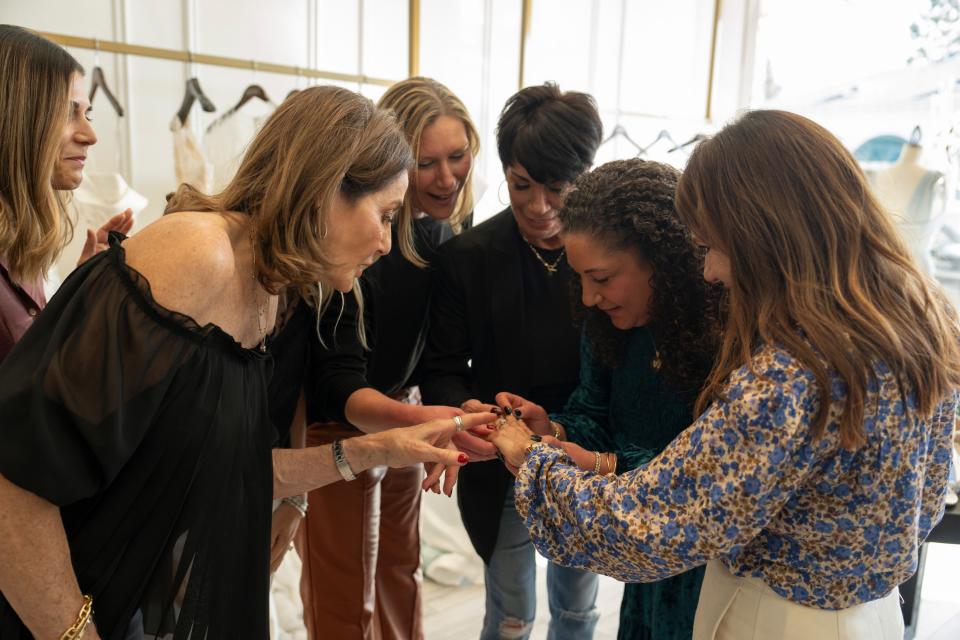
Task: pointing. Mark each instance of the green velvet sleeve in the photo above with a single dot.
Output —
(585, 417)
(633, 456)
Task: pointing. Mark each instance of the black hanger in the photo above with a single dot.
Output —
(191, 93)
(620, 131)
(251, 92)
(663, 135)
(700, 137)
(99, 81)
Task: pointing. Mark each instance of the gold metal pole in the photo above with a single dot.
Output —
(525, 17)
(717, 5)
(217, 61)
(413, 57)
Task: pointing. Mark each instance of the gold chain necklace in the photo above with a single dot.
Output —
(261, 321)
(551, 268)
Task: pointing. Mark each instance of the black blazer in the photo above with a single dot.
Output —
(477, 314)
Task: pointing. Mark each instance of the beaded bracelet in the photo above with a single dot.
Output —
(596, 464)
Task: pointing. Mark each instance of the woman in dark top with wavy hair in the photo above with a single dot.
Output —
(649, 337)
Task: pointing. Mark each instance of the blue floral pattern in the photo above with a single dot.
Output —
(747, 482)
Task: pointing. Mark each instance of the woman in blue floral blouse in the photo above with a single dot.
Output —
(819, 461)
(650, 333)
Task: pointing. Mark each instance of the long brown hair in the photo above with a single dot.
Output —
(417, 103)
(817, 267)
(319, 142)
(35, 103)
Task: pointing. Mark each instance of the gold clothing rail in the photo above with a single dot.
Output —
(201, 58)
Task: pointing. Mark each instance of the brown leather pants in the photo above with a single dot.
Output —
(360, 545)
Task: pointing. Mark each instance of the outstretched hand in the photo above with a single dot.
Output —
(97, 240)
(431, 442)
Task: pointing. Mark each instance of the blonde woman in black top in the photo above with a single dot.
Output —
(361, 575)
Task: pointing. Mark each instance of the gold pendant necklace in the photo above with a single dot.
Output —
(551, 268)
(261, 321)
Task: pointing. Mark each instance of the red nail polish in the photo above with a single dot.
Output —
(463, 459)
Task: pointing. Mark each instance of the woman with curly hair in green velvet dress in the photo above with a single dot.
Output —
(649, 335)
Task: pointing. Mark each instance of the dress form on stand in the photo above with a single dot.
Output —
(916, 197)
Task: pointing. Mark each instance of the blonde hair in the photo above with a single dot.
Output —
(816, 265)
(320, 142)
(417, 103)
(35, 103)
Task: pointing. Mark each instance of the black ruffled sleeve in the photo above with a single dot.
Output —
(82, 386)
(151, 433)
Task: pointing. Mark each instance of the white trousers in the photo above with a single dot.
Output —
(734, 608)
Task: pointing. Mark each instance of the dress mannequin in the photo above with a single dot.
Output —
(916, 196)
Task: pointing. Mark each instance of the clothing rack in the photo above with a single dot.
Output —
(201, 58)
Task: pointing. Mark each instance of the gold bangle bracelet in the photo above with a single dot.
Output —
(596, 464)
(83, 619)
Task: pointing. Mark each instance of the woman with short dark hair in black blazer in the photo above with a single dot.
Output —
(501, 319)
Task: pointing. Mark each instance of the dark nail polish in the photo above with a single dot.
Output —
(508, 411)
(516, 412)
(535, 437)
(497, 411)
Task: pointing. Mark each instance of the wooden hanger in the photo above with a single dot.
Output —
(253, 91)
(99, 81)
(192, 93)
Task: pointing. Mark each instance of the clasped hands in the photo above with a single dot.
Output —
(519, 424)
(522, 423)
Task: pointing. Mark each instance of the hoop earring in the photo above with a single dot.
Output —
(500, 198)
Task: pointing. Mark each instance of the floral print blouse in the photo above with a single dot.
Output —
(747, 483)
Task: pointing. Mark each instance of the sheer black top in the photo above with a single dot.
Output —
(152, 435)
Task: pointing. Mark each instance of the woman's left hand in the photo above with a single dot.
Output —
(286, 521)
(97, 240)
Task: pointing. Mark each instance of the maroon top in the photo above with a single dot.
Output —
(19, 305)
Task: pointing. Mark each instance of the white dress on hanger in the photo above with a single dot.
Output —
(189, 163)
(103, 195)
(98, 198)
(226, 141)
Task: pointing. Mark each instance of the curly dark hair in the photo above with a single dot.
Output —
(629, 205)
